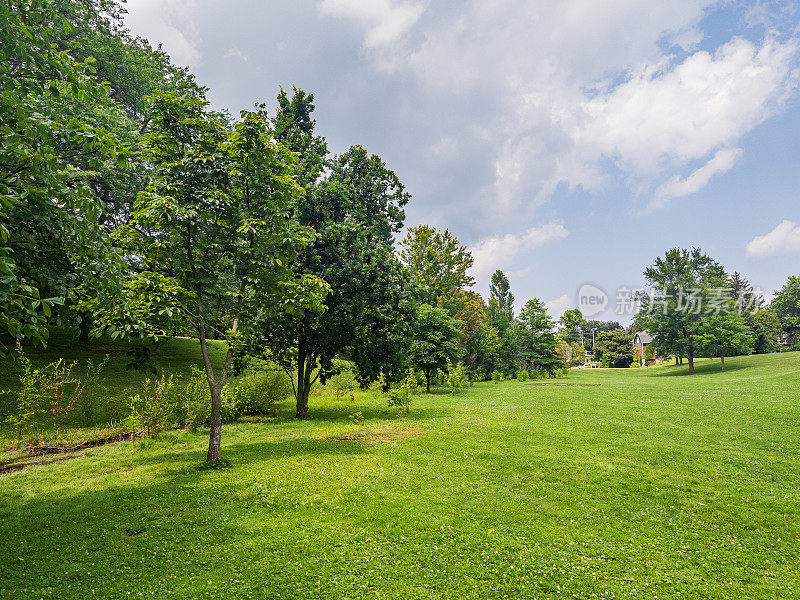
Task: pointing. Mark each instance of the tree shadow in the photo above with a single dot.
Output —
(704, 368)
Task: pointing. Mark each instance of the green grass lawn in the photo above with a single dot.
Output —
(640, 483)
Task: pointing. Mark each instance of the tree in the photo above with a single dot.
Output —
(355, 204)
(614, 348)
(49, 217)
(685, 285)
(501, 302)
(435, 341)
(578, 354)
(215, 227)
(724, 333)
(766, 327)
(786, 304)
(436, 261)
(537, 343)
(571, 323)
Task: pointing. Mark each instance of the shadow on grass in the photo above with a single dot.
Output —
(703, 368)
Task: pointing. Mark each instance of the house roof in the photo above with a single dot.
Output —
(644, 337)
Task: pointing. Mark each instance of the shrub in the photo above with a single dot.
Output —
(95, 398)
(158, 407)
(255, 393)
(400, 395)
(46, 397)
(456, 377)
(496, 376)
(196, 401)
(343, 382)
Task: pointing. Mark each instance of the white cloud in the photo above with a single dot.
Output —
(722, 162)
(499, 252)
(783, 239)
(580, 92)
(558, 306)
(170, 24)
(234, 52)
(385, 21)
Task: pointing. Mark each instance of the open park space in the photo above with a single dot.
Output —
(609, 483)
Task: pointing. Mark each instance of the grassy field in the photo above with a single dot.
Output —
(607, 484)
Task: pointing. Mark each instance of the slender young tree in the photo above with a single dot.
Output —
(216, 230)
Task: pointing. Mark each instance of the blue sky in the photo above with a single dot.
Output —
(564, 142)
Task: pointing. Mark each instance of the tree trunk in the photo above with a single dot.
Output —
(690, 358)
(305, 367)
(302, 402)
(85, 327)
(722, 358)
(428, 382)
(215, 436)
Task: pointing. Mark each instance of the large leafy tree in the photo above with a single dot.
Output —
(686, 285)
(436, 261)
(50, 220)
(723, 334)
(571, 324)
(614, 348)
(766, 327)
(355, 204)
(434, 342)
(537, 343)
(786, 305)
(216, 230)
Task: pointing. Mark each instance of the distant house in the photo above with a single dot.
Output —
(640, 341)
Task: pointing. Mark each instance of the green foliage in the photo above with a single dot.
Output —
(196, 400)
(436, 261)
(497, 376)
(578, 354)
(724, 334)
(537, 344)
(158, 407)
(343, 381)
(680, 280)
(435, 341)
(457, 378)
(46, 396)
(571, 324)
(95, 399)
(786, 305)
(355, 205)
(51, 235)
(258, 392)
(614, 348)
(766, 326)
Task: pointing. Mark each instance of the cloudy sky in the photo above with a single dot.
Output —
(565, 142)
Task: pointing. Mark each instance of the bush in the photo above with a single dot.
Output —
(158, 407)
(47, 395)
(400, 395)
(456, 377)
(496, 376)
(196, 401)
(95, 397)
(343, 382)
(255, 393)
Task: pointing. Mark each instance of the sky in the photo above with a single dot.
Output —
(567, 143)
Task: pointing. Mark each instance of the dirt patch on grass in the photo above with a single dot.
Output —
(21, 464)
(381, 436)
(59, 452)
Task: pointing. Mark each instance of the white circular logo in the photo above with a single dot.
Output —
(591, 300)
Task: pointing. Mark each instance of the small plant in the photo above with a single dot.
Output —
(357, 417)
(456, 377)
(496, 376)
(155, 409)
(95, 395)
(343, 382)
(196, 400)
(400, 395)
(47, 395)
